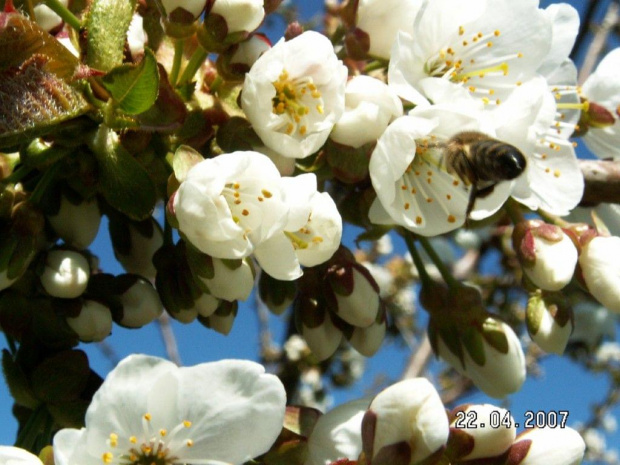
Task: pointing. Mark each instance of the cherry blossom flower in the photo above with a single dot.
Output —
(489, 48)
(294, 94)
(149, 409)
(17, 456)
(603, 88)
(46, 18)
(549, 321)
(240, 15)
(183, 8)
(382, 20)
(408, 172)
(548, 446)
(601, 270)
(370, 105)
(228, 205)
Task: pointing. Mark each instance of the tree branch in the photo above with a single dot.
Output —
(602, 182)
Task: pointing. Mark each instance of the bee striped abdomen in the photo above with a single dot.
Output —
(496, 161)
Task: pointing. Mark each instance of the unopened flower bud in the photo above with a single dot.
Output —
(140, 302)
(276, 295)
(94, 323)
(593, 323)
(382, 19)
(547, 254)
(352, 292)
(367, 341)
(240, 15)
(222, 319)
(316, 326)
(65, 274)
(409, 413)
(46, 18)
(235, 62)
(77, 221)
(232, 279)
(547, 446)
(206, 304)
(370, 105)
(549, 321)
(135, 243)
(490, 354)
(600, 264)
(480, 431)
(136, 36)
(183, 11)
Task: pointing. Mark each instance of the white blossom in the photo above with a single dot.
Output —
(600, 265)
(370, 105)
(17, 456)
(294, 94)
(65, 274)
(139, 259)
(228, 205)
(46, 18)
(488, 48)
(603, 88)
(193, 7)
(382, 19)
(231, 281)
(136, 36)
(149, 409)
(410, 411)
(337, 434)
(240, 15)
(248, 51)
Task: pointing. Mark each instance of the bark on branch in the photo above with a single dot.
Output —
(602, 182)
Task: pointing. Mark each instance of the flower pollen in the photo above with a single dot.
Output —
(294, 99)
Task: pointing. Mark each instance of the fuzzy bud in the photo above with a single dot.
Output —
(276, 295)
(367, 341)
(65, 274)
(409, 413)
(600, 264)
(141, 304)
(222, 319)
(549, 321)
(135, 244)
(547, 446)
(547, 254)
(77, 221)
(316, 326)
(94, 323)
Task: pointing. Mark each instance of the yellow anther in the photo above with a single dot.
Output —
(303, 130)
(317, 239)
(107, 457)
(236, 185)
(245, 212)
(489, 44)
(556, 173)
(290, 128)
(147, 416)
(418, 220)
(519, 55)
(451, 219)
(133, 439)
(187, 424)
(472, 89)
(162, 432)
(485, 100)
(189, 443)
(461, 30)
(407, 206)
(496, 33)
(266, 193)
(465, 43)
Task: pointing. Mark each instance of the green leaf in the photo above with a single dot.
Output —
(17, 381)
(123, 182)
(106, 27)
(34, 100)
(62, 377)
(21, 38)
(134, 86)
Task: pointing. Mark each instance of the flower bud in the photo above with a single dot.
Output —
(367, 341)
(239, 15)
(316, 326)
(480, 431)
(77, 221)
(382, 19)
(140, 302)
(46, 18)
(409, 413)
(276, 295)
(370, 105)
(183, 11)
(65, 274)
(337, 434)
(135, 244)
(136, 36)
(488, 352)
(222, 319)
(593, 322)
(549, 321)
(547, 254)
(232, 279)
(236, 61)
(94, 322)
(206, 304)
(547, 446)
(600, 264)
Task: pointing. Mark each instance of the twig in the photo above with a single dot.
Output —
(419, 359)
(170, 342)
(599, 41)
(602, 182)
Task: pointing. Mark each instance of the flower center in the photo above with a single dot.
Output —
(295, 99)
(151, 447)
(304, 237)
(468, 58)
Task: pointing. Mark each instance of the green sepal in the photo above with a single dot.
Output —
(451, 337)
(134, 87)
(17, 382)
(106, 24)
(123, 182)
(534, 313)
(474, 343)
(493, 333)
(61, 378)
(237, 134)
(183, 160)
(40, 154)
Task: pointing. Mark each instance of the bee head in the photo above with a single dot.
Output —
(510, 162)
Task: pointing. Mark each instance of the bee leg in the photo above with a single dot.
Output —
(474, 195)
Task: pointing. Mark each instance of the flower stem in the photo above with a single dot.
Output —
(30, 8)
(17, 175)
(417, 260)
(11, 343)
(553, 219)
(29, 434)
(64, 13)
(179, 45)
(197, 59)
(514, 211)
(375, 65)
(441, 266)
(44, 183)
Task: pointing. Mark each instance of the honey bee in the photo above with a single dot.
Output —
(482, 162)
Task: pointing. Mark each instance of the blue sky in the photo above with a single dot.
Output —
(562, 385)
